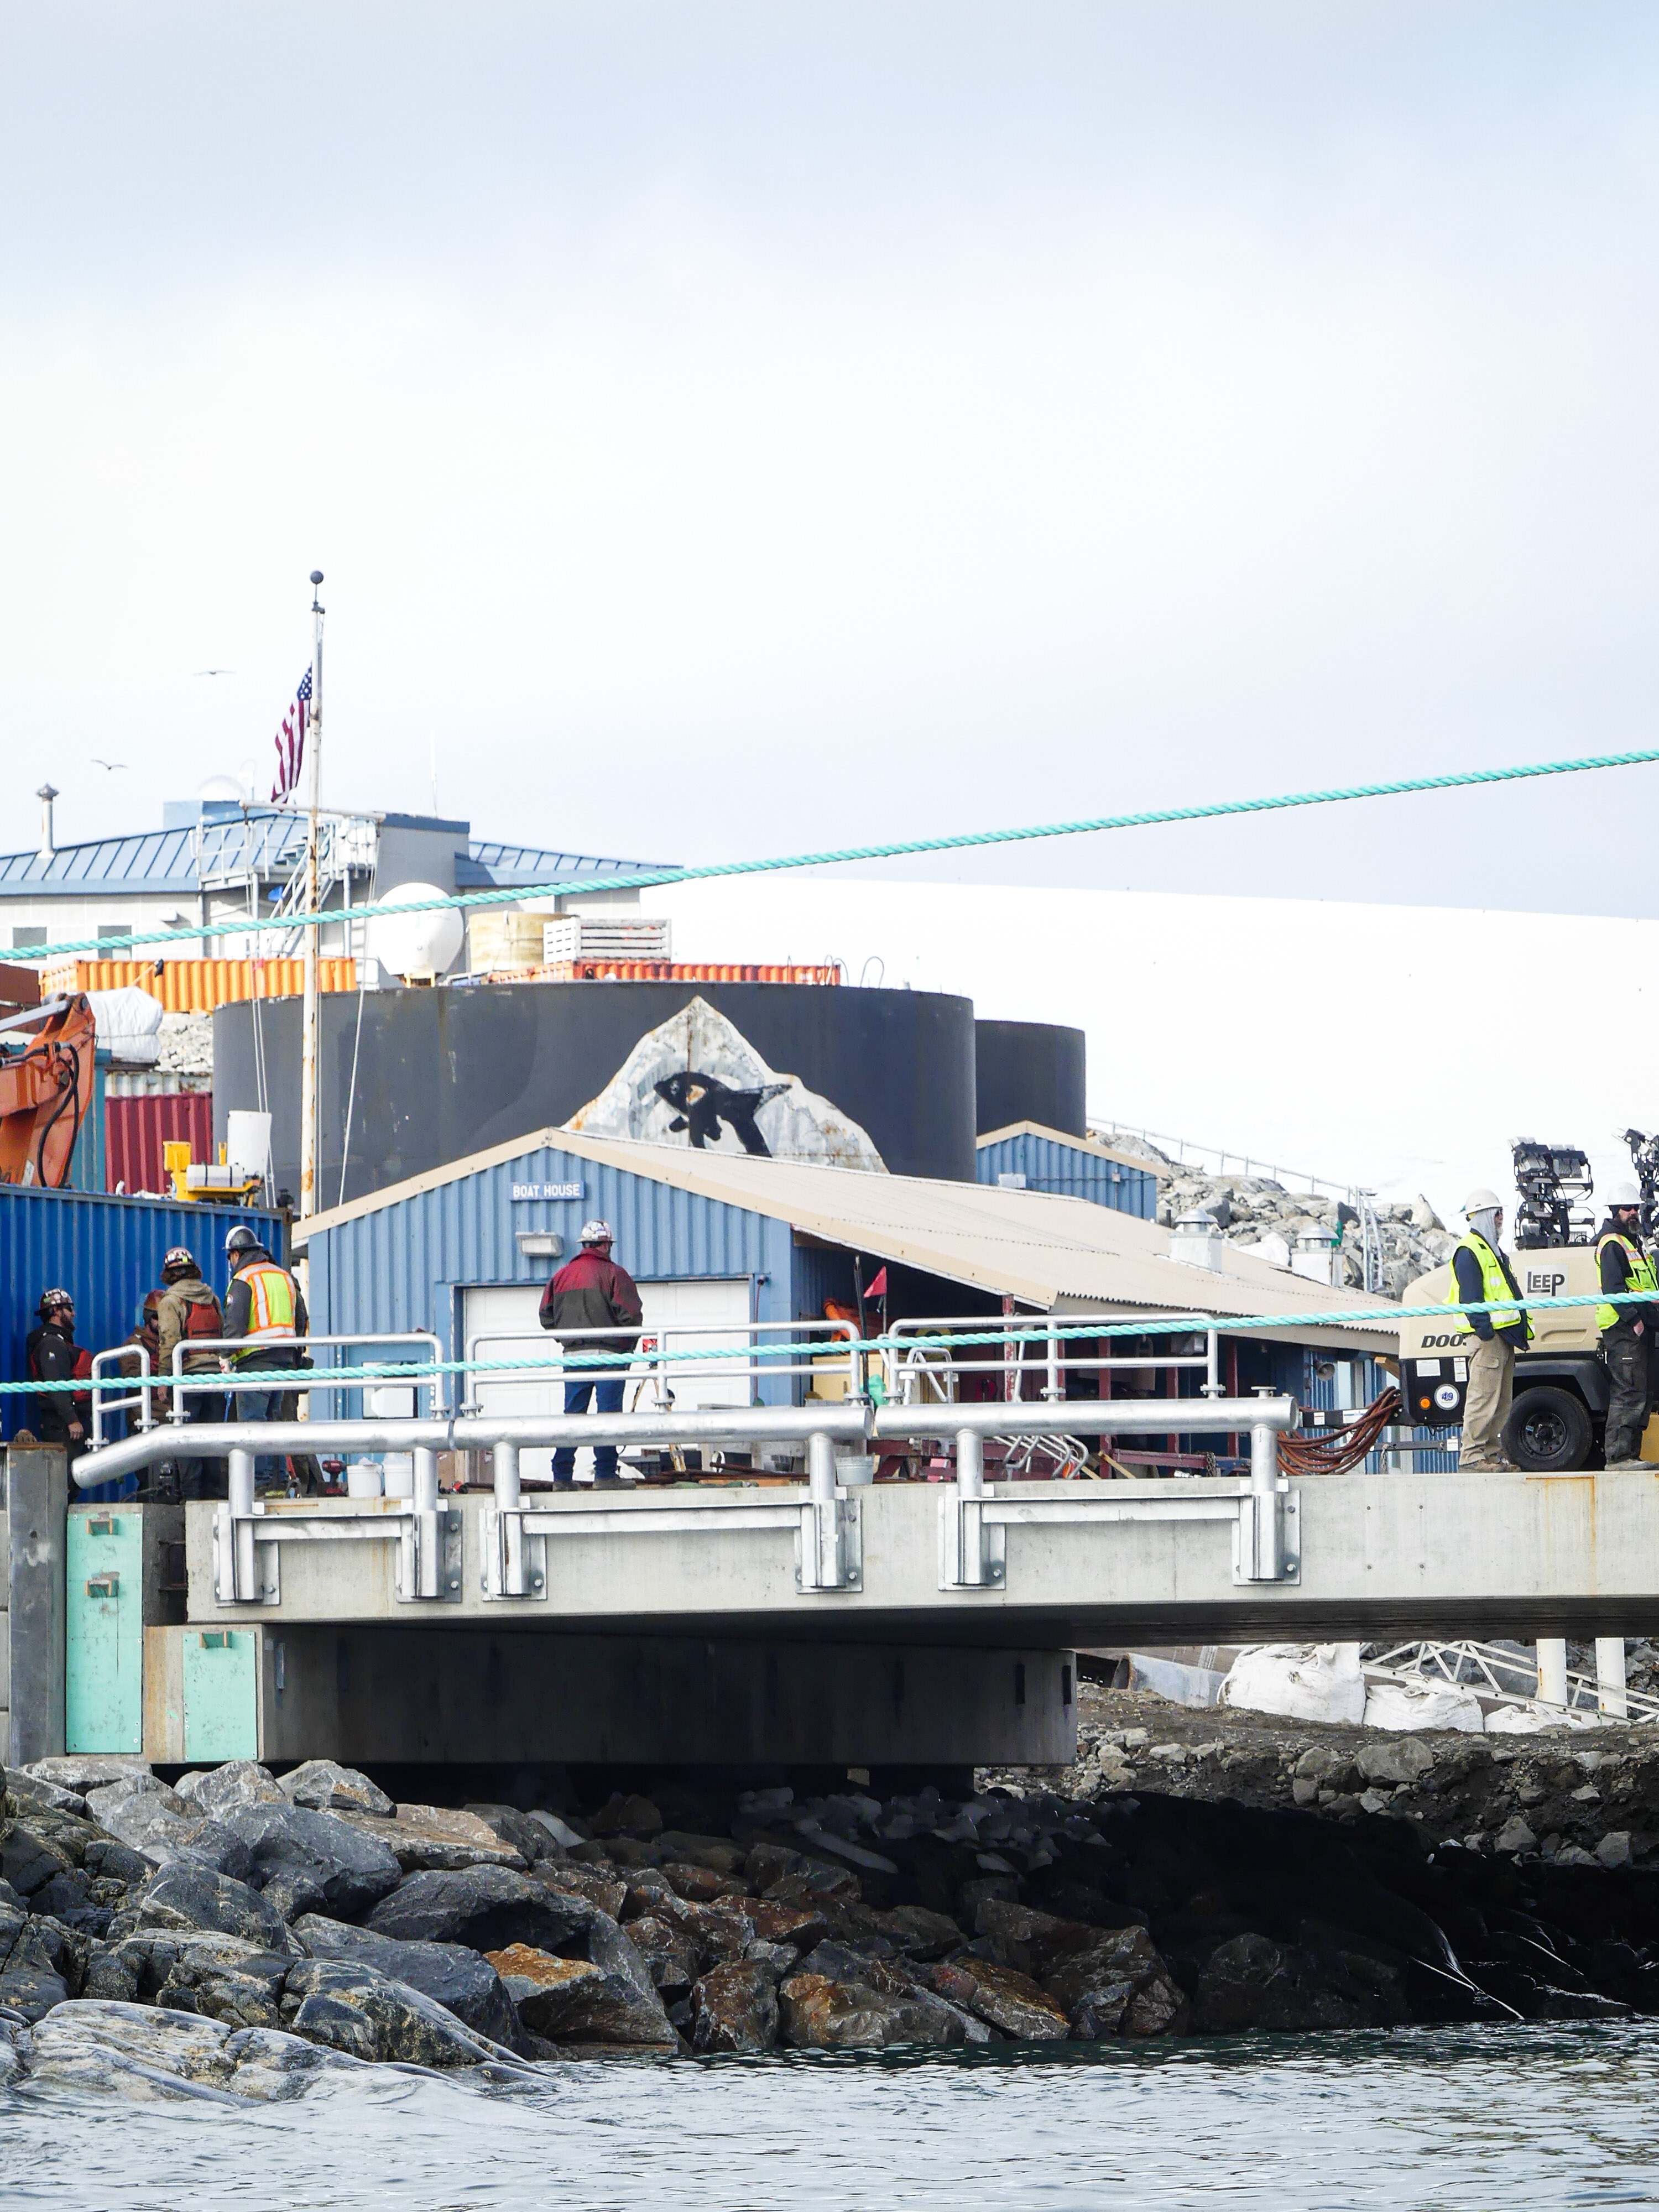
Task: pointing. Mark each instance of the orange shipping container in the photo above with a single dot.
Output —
(198, 987)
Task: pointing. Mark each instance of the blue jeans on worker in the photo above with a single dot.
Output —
(607, 1391)
(263, 1406)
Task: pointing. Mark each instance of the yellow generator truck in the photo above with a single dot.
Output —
(1561, 1383)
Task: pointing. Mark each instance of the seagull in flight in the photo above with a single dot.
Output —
(104, 763)
(216, 672)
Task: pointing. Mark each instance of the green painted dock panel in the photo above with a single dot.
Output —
(222, 1694)
(104, 1672)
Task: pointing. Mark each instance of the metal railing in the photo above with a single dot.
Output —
(925, 1365)
(824, 1518)
(736, 1353)
(142, 1397)
(1299, 1180)
(224, 1380)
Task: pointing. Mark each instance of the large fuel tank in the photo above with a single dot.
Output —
(432, 1076)
(1030, 1072)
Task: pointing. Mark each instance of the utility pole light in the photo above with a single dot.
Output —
(308, 1046)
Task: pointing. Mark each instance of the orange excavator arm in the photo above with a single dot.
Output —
(46, 1088)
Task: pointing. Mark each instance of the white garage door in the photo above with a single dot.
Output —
(683, 1317)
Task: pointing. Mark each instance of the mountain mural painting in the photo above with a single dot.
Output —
(697, 1080)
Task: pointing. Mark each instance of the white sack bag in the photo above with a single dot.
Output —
(1298, 1681)
(1423, 1705)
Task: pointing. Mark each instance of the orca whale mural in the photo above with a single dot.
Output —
(697, 1080)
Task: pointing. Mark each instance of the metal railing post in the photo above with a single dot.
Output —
(505, 1461)
(968, 1506)
(1552, 1670)
(1053, 1389)
(1266, 1562)
(1211, 1386)
(820, 1535)
(235, 1579)
(241, 1482)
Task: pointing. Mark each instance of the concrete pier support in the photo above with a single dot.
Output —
(444, 1695)
(36, 1506)
(1610, 1677)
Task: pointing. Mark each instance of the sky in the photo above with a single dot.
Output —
(741, 429)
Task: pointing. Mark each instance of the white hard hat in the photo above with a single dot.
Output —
(1624, 1193)
(1482, 1201)
(597, 1232)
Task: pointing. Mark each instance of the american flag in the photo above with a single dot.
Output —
(291, 743)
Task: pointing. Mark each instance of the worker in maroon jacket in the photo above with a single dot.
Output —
(592, 1292)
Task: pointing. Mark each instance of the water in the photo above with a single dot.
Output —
(1514, 2119)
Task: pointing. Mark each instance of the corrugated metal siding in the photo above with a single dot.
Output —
(107, 1251)
(137, 1129)
(1070, 1171)
(404, 1266)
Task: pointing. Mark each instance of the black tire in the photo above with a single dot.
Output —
(1548, 1431)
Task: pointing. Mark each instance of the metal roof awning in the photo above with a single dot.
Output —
(1049, 1253)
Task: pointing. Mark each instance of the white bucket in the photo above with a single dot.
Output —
(399, 1474)
(853, 1469)
(364, 1478)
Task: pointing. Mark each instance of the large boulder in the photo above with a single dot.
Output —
(320, 1786)
(149, 2054)
(33, 1791)
(29, 1861)
(187, 1896)
(461, 1980)
(44, 1963)
(224, 1977)
(917, 1933)
(1250, 1982)
(350, 2007)
(427, 1837)
(817, 2014)
(302, 1862)
(523, 1831)
(217, 1790)
(626, 1815)
(1101, 1984)
(577, 2001)
(601, 1886)
(488, 1907)
(81, 1771)
(143, 1813)
(669, 1954)
(1002, 1995)
(735, 2008)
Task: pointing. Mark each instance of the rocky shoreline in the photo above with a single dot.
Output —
(1193, 1872)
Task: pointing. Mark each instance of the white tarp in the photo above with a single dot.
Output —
(697, 1080)
(129, 1025)
(1423, 1704)
(1298, 1681)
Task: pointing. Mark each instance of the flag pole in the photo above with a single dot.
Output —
(308, 1047)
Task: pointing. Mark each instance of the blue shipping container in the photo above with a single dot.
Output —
(107, 1252)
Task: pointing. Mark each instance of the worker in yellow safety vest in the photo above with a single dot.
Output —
(1481, 1274)
(1626, 1330)
(266, 1309)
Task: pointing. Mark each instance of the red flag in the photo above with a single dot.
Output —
(879, 1288)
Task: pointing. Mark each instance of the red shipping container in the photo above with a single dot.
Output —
(136, 1130)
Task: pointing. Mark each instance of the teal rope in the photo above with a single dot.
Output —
(647, 879)
(1023, 1333)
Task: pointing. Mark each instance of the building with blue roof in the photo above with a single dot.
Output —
(216, 861)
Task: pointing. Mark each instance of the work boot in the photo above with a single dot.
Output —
(608, 1482)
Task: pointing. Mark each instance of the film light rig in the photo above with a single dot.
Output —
(1555, 1183)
